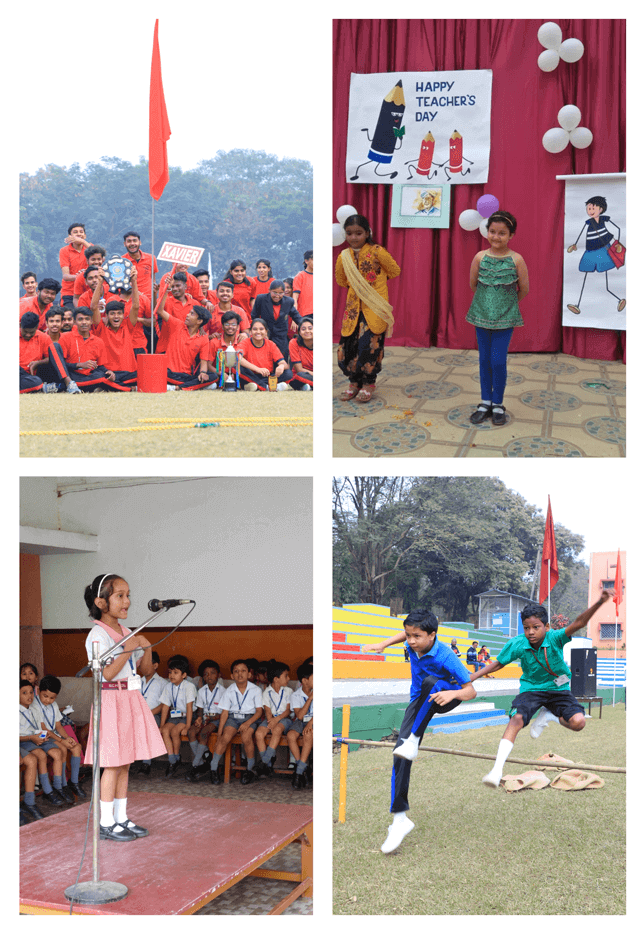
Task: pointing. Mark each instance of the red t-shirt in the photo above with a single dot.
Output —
(265, 356)
(75, 349)
(259, 287)
(221, 343)
(303, 355)
(182, 348)
(304, 285)
(119, 350)
(193, 287)
(143, 266)
(242, 294)
(75, 260)
(35, 349)
(215, 324)
(31, 304)
(85, 298)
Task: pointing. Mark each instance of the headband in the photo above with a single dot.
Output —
(101, 583)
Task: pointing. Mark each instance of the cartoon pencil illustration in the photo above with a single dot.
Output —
(456, 152)
(388, 125)
(426, 156)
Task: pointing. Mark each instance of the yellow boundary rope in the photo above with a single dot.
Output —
(219, 423)
(259, 419)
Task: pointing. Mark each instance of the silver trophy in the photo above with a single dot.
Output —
(118, 273)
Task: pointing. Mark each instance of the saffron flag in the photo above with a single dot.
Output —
(617, 594)
(548, 558)
(159, 129)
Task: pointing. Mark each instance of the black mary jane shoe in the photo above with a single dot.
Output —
(483, 411)
(121, 836)
(134, 829)
(499, 415)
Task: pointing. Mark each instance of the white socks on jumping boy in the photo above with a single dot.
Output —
(493, 778)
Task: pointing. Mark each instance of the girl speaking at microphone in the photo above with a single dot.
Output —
(128, 730)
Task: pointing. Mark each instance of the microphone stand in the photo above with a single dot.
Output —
(97, 892)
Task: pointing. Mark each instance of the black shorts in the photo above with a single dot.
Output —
(560, 703)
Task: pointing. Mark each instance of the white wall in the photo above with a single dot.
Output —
(240, 547)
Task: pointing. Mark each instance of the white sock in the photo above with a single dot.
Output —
(505, 748)
(107, 814)
(400, 817)
(120, 810)
(486, 402)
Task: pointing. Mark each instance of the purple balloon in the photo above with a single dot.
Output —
(486, 205)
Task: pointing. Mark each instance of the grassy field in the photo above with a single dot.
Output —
(479, 851)
(60, 412)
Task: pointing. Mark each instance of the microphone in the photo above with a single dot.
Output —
(156, 605)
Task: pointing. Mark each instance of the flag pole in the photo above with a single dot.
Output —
(616, 626)
(153, 273)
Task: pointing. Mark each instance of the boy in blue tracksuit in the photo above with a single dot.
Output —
(439, 683)
(545, 682)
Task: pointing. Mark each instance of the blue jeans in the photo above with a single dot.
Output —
(493, 347)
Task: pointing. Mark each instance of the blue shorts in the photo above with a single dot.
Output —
(299, 725)
(238, 722)
(286, 723)
(596, 261)
(28, 746)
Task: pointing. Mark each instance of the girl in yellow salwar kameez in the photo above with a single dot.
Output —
(364, 269)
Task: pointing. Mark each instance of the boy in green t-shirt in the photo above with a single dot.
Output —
(545, 682)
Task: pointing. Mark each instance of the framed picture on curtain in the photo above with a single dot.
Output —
(420, 205)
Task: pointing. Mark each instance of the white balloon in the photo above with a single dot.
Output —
(569, 117)
(581, 137)
(338, 234)
(571, 50)
(470, 219)
(483, 226)
(345, 211)
(548, 60)
(556, 139)
(550, 35)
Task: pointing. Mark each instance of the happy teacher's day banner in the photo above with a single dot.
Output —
(428, 125)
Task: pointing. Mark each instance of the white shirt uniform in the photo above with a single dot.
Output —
(177, 696)
(152, 689)
(240, 705)
(298, 700)
(209, 701)
(49, 714)
(29, 725)
(277, 701)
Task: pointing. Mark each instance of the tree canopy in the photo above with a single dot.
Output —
(440, 541)
(240, 204)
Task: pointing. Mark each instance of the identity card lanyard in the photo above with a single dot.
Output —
(146, 688)
(559, 680)
(213, 697)
(53, 717)
(175, 699)
(240, 703)
(280, 697)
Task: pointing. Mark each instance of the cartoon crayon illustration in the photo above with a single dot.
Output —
(390, 117)
(456, 152)
(388, 135)
(426, 156)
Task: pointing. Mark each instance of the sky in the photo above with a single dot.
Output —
(231, 81)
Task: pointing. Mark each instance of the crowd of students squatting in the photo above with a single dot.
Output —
(89, 339)
(144, 715)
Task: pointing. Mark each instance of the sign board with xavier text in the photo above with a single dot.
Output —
(179, 253)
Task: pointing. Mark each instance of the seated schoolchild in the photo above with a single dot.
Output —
(36, 349)
(302, 704)
(277, 716)
(187, 350)
(301, 356)
(177, 701)
(152, 689)
(224, 302)
(47, 713)
(33, 755)
(262, 359)
(241, 707)
(208, 711)
(117, 330)
(231, 334)
(85, 356)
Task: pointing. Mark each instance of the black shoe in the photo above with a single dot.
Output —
(203, 768)
(171, 769)
(23, 817)
(66, 795)
(248, 777)
(54, 798)
(110, 833)
(77, 789)
(32, 811)
(263, 770)
(483, 411)
(191, 775)
(134, 829)
(214, 777)
(499, 415)
(144, 768)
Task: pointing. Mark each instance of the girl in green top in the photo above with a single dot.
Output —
(499, 280)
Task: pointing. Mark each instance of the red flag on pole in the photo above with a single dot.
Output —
(617, 595)
(159, 129)
(548, 558)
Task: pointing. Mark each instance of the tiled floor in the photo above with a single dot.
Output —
(557, 406)
(250, 896)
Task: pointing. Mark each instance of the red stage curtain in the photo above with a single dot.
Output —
(432, 295)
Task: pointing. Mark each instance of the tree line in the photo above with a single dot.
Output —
(439, 541)
(240, 204)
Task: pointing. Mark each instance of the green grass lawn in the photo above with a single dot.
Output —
(122, 410)
(479, 851)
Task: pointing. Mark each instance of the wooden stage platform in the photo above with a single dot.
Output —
(197, 848)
